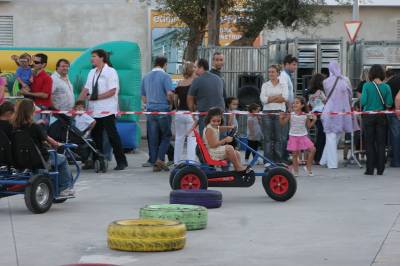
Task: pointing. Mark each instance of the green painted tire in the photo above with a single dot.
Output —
(194, 217)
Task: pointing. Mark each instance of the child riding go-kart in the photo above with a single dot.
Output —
(277, 181)
(24, 171)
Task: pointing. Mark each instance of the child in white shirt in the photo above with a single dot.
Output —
(84, 122)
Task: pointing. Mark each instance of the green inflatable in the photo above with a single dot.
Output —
(126, 59)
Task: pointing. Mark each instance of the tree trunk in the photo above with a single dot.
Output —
(195, 39)
(214, 19)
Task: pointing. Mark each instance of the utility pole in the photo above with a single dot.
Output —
(356, 10)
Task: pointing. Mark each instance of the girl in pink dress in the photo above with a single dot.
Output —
(299, 141)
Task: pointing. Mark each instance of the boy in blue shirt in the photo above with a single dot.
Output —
(24, 72)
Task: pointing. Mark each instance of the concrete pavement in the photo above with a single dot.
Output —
(338, 217)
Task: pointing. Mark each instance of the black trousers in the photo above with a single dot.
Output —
(320, 140)
(109, 125)
(375, 129)
(254, 144)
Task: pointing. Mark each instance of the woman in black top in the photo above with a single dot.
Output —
(23, 120)
(6, 113)
(184, 122)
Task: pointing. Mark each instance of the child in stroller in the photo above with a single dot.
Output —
(76, 129)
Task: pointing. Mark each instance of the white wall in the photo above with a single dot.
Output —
(78, 23)
(379, 23)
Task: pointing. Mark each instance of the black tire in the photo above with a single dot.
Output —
(279, 184)
(39, 194)
(104, 165)
(192, 176)
(97, 166)
(173, 173)
(207, 198)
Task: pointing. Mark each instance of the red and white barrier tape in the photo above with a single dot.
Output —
(205, 113)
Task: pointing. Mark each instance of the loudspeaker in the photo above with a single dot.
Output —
(249, 90)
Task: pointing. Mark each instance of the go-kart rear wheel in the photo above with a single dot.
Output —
(190, 177)
(39, 194)
(279, 184)
(173, 173)
(104, 165)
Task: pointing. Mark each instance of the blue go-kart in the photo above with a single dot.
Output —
(39, 185)
(277, 180)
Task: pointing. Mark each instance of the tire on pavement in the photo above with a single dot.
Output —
(207, 198)
(39, 194)
(146, 235)
(279, 184)
(190, 177)
(194, 217)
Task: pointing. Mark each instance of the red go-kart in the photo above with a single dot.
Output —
(277, 181)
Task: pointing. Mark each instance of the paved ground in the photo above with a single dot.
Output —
(338, 217)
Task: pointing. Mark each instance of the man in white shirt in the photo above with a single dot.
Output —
(101, 90)
(62, 93)
(289, 67)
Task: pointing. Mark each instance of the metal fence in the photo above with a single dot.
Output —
(238, 61)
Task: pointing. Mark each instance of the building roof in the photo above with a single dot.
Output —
(387, 3)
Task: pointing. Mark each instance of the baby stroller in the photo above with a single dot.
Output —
(63, 130)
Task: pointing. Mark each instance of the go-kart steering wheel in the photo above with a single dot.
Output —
(232, 132)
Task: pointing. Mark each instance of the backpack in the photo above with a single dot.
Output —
(25, 152)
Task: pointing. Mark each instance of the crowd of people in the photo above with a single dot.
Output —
(41, 91)
(282, 124)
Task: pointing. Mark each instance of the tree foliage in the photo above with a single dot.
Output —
(290, 14)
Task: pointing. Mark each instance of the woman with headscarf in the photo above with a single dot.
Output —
(339, 94)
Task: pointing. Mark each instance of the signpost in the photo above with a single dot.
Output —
(352, 28)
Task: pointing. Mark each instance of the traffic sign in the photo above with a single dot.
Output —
(352, 28)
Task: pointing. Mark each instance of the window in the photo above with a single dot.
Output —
(398, 29)
(6, 31)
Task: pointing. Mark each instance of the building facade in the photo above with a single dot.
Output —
(74, 23)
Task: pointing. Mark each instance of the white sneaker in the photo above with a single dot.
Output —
(309, 173)
(67, 193)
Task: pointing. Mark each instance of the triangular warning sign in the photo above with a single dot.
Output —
(352, 28)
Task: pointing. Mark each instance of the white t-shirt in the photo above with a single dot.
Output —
(108, 80)
(83, 121)
(298, 125)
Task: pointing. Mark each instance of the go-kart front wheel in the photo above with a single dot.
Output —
(279, 184)
(190, 177)
(39, 194)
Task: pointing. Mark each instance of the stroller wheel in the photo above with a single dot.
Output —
(97, 166)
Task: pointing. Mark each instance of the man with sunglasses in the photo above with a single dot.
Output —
(42, 83)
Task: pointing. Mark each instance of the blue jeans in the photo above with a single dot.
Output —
(65, 175)
(394, 127)
(273, 136)
(159, 136)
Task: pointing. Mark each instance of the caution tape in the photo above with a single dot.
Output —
(72, 112)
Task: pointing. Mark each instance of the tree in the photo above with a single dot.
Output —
(214, 10)
(292, 14)
(199, 16)
(194, 14)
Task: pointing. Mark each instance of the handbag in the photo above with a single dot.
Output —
(385, 107)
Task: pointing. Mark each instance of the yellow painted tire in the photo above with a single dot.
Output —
(146, 235)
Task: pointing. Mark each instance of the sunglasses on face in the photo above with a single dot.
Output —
(37, 62)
